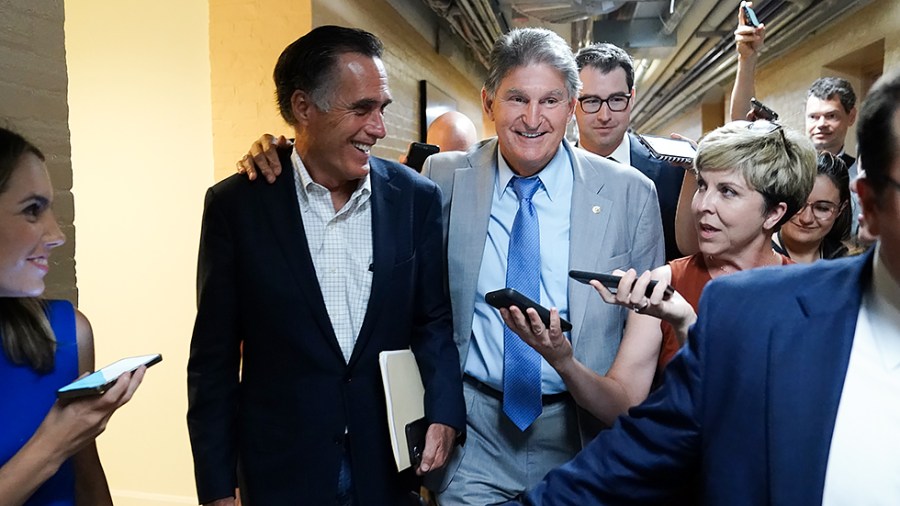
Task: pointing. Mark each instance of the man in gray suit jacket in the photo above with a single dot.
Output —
(593, 215)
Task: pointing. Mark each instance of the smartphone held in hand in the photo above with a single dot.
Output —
(611, 281)
(102, 380)
(506, 297)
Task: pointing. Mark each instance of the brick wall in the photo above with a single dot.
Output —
(33, 87)
(245, 39)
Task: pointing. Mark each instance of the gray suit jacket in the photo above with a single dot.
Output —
(615, 224)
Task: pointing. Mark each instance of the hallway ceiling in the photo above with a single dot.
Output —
(683, 49)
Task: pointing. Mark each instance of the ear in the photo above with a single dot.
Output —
(852, 116)
(633, 97)
(301, 107)
(487, 103)
(774, 216)
(868, 200)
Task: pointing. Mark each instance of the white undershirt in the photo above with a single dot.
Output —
(622, 153)
(864, 462)
(340, 244)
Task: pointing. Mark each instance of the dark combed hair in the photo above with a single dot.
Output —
(308, 64)
(876, 137)
(836, 170)
(826, 88)
(24, 328)
(606, 58)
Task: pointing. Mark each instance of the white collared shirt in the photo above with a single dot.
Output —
(340, 244)
(622, 153)
(864, 461)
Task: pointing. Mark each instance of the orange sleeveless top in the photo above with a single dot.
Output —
(689, 276)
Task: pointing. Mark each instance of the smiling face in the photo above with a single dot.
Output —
(530, 110)
(28, 229)
(827, 123)
(334, 144)
(602, 131)
(730, 215)
(804, 227)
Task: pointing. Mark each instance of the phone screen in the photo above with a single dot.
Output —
(98, 381)
(750, 17)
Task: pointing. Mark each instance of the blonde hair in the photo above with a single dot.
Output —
(778, 162)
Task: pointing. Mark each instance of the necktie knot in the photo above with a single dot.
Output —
(525, 188)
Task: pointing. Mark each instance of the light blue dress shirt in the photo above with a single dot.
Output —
(553, 203)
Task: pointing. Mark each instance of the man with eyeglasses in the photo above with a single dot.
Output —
(787, 392)
(604, 117)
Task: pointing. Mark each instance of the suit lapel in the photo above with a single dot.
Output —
(589, 218)
(385, 224)
(807, 366)
(470, 213)
(648, 165)
(283, 213)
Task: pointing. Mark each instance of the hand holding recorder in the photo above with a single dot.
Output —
(643, 295)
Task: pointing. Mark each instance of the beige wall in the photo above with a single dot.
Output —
(782, 83)
(245, 39)
(139, 95)
(33, 102)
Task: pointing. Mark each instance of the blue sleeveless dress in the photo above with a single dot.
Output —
(26, 397)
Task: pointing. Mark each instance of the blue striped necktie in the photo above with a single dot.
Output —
(521, 364)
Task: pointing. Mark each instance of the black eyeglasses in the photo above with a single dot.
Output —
(591, 104)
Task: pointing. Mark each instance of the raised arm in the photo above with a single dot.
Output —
(749, 43)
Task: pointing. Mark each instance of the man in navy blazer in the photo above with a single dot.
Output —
(607, 76)
(788, 392)
(302, 283)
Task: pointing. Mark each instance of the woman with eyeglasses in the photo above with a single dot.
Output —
(47, 451)
(751, 177)
(822, 225)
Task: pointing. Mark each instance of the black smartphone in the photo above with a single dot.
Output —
(750, 16)
(507, 297)
(99, 382)
(761, 111)
(611, 281)
(418, 152)
(415, 440)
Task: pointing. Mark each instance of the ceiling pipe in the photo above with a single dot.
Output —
(790, 23)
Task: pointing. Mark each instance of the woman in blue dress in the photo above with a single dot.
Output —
(47, 452)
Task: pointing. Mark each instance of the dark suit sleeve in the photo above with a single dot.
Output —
(651, 456)
(213, 366)
(432, 333)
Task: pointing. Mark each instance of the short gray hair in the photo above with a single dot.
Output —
(779, 163)
(530, 46)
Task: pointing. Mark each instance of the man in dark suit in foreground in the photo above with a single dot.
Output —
(314, 275)
(787, 393)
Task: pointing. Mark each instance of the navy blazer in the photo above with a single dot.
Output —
(274, 417)
(668, 178)
(747, 410)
